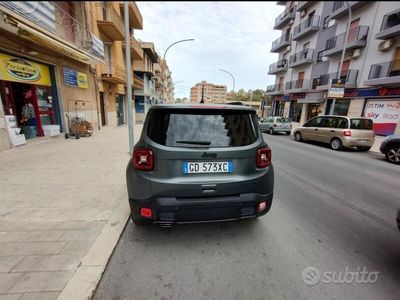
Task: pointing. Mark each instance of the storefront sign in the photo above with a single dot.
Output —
(75, 78)
(385, 114)
(336, 89)
(21, 70)
(297, 96)
(365, 93)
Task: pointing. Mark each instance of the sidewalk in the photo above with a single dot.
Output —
(378, 141)
(63, 206)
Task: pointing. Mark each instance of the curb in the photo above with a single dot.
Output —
(83, 283)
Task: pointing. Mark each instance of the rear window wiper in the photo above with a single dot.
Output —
(206, 143)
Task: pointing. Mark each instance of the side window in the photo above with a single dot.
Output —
(342, 123)
(325, 122)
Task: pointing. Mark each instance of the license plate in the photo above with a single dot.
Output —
(207, 167)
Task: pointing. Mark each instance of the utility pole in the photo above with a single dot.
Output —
(129, 74)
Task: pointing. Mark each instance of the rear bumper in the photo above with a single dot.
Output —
(357, 142)
(171, 210)
(282, 129)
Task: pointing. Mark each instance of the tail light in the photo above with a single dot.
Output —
(146, 212)
(143, 159)
(347, 133)
(262, 206)
(263, 157)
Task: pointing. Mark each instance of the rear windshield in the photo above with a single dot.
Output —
(282, 120)
(361, 124)
(209, 128)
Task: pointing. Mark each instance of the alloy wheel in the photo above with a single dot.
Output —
(394, 155)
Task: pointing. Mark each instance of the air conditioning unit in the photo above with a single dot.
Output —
(288, 48)
(303, 13)
(386, 44)
(291, 22)
(355, 53)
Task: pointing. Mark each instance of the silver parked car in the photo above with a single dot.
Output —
(276, 124)
(338, 131)
(196, 163)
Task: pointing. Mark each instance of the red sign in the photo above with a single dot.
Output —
(297, 96)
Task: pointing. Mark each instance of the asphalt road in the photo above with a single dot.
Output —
(334, 211)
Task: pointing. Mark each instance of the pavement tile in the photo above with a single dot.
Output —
(27, 263)
(30, 236)
(9, 262)
(40, 296)
(41, 282)
(79, 235)
(7, 280)
(10, 297)
(76, 247)
(30, 248)
(57, 263)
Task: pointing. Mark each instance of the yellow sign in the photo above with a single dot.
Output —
(21, 70)
(83, 80)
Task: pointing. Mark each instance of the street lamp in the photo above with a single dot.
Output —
(166, 50)
(233, 78)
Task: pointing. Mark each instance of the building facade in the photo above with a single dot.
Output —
(209, 92)
(309, 54)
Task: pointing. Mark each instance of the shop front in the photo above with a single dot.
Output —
(313, 105)
(278, 105)
(29, 95)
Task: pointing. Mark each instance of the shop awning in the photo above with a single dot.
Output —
(51, 43)
(312, 98)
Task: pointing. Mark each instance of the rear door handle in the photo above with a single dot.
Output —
(316, 129)
(333, 131)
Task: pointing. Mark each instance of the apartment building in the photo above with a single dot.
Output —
(163, 82)
(209, 92)
(107, 22)
(309, 54)
(46, 53)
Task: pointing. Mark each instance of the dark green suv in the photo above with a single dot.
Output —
(198, 163)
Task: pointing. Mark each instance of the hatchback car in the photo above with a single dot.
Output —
(276, 124)
(339, 132)
(391, 148)
(196, 163)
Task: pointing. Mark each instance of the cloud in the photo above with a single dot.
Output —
(235, 36)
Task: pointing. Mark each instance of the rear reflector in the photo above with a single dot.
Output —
(263, 157)
(347, 133)
(146, 212)
(143, 159)
(262, 206)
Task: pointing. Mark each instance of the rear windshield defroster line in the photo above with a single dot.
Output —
(211, 128)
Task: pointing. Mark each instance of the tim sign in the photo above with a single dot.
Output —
(386, 115)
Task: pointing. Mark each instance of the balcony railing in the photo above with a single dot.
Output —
(390, 25)
(300, 58)
(281, 42)
(113, 72)
(311, 24)
(303, 5)
(284, 17)
(279, 66)
(275, 88)
(349, 77)
(300, 84)
(55, 20)
(384, 74)
(357, 38)
(110, 22)
(340, 8)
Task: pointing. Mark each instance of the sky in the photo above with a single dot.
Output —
(234, 36)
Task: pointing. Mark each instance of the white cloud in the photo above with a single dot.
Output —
(235, 36)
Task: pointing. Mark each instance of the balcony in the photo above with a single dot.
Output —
(297, 86)
(340, 8)
(279, 66)
(113, 73)
(275, 89)
(305, 28)
(138, 82)
(357, 38)
(281, 43)
(135, 17)
(136, 49)
(303, 57)
(281, 2)
(390, 26)
(322, 83)
(110, 22)
(283, 19)
(303, 5)
(384, 74)
(58, 26)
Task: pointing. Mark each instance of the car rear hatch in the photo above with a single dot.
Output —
(203, 152)
(362, 129)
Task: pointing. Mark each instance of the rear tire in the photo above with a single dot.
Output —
(363, 149)
(297, 137)
(336, 144)
(393, 155)
(287, 132)
(271, 131)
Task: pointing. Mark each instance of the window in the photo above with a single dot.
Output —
(361, 124)
(326, 22)
(314, 122)
(342, 123)
(295, 111)
(215, 127)
(341, 107)
(319, 56)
